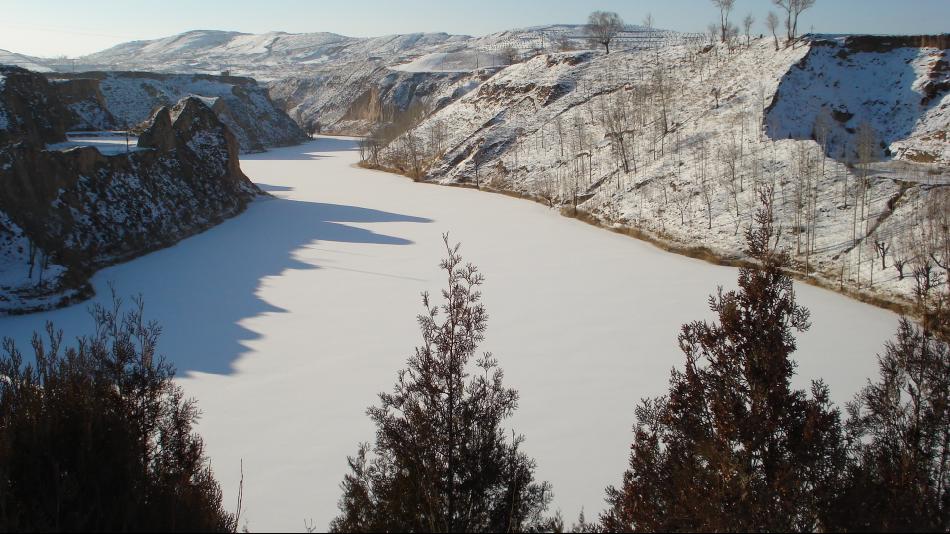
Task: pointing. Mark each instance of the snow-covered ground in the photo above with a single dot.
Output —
(465, 61)
(285, 322)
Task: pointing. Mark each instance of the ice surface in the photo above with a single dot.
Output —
(285, 323)
(106, 143)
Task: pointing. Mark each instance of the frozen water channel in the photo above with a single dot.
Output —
(286, 321)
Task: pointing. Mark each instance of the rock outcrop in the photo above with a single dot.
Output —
(120, 100)
(65, 214)
(22, 93)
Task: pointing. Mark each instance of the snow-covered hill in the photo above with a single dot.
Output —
(263, 56)
(327, 77)
(676, 143)
(27, 62)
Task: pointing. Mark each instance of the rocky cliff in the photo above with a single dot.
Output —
(355, 105)
(22, 93)
(117, 100)
(65, 214)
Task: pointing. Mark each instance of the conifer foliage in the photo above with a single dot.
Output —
(97, 436)
(442, 460)
(900, 430)
(733, 446)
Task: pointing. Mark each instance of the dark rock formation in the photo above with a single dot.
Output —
(83, 210)
(117, 100)
(85, 100)
(22, 93)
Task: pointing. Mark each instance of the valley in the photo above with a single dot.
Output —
(286, 321)
(601, 277)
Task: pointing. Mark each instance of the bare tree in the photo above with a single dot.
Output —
(937, 230)
(706, 185)
(771, 22)
(370, 148)
(563, 43)
(438, 133)
(663, 89)
(713, 31)
(603, 27)
(793, 8)
(725, 7)
(747, 27)
(648, 21)
(615, 122)
(683, 199)
(883, 247)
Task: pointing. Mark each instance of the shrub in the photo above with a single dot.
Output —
(97, 437)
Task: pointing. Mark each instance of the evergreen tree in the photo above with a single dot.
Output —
(442, 461)
(733, 446)
(97, 437)
(899, 428)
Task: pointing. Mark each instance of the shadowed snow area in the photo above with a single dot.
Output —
(285, 322)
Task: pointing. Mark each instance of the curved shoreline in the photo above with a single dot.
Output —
(696, 252)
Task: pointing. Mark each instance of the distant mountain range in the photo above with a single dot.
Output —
(278, 54)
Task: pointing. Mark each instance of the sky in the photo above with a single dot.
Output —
(52, 28)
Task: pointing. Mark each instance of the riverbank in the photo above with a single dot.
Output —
(890, 302)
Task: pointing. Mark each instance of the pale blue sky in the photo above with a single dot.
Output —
(72, 28)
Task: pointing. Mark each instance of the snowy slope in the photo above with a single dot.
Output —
(27, 62)
(695, 161)
(327, 77)
(894, 90)
(263, 56)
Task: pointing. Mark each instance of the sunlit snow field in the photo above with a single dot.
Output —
(286, 321)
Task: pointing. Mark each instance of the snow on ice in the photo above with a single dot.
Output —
(285, 322)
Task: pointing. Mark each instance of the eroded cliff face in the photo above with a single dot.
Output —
(65, 214)
(30, 109)
(897, 85)
(355, 104)
(121, 100)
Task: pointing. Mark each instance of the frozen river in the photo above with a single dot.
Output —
(286, 321)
